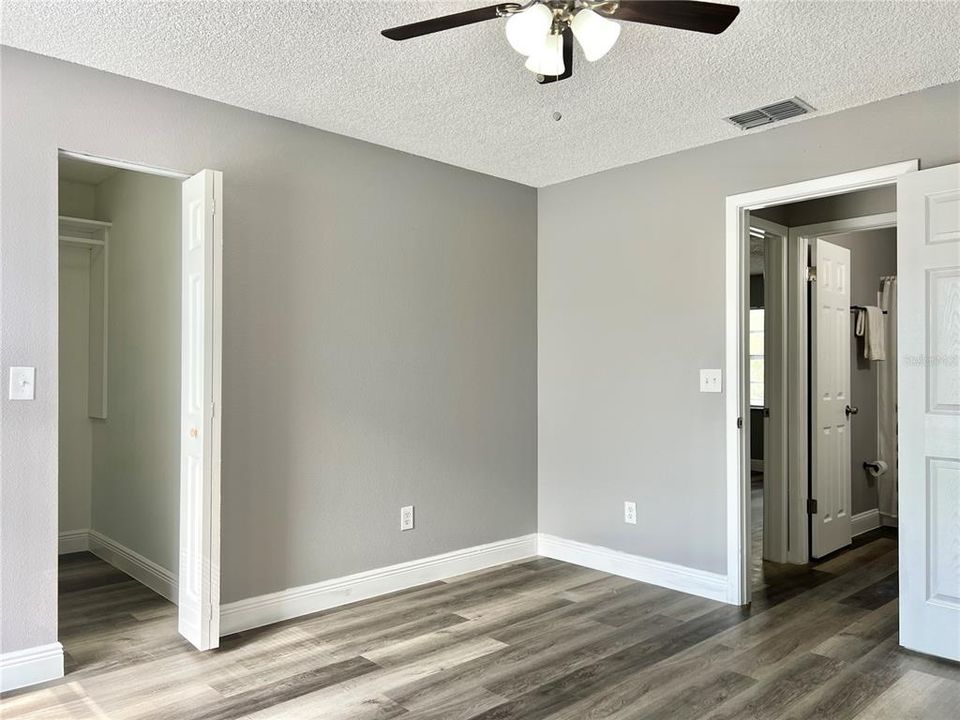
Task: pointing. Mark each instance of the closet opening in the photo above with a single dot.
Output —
(138, 376)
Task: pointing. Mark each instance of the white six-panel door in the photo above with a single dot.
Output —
(829, 398)
(201, 293)
(928, 266)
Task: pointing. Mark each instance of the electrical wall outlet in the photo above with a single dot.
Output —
(630, 512)
(406, 517)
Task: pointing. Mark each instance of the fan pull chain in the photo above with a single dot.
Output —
(557, 115)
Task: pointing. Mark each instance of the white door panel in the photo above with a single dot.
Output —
(928, 268)
(199, 566)
(830, 397)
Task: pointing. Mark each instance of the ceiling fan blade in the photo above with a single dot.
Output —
(702, 17)
(445, 22)
(567, 61)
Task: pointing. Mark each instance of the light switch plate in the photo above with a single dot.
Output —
(710, 381)
(22, 382)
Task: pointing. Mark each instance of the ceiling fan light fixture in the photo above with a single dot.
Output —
(548, 61)
(526, 30)
(596, 34)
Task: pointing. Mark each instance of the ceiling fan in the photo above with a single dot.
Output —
(544, 30)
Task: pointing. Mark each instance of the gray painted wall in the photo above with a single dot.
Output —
(136, 449)
(873, 254)
(622, 333)
(75, 426)
(379, 337)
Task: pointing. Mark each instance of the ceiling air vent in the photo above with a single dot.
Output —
(770, 113)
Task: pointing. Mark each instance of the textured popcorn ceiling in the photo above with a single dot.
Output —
(463, 97)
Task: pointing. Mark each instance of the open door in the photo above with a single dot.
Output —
(829, 399)
(928, 275)
(201, 293)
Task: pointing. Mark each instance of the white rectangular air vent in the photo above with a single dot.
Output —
(770, 113)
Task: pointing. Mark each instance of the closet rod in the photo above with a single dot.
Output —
(856, 308)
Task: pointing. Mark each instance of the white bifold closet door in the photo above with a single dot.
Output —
(830, 398)
(928, 276)
(201, 298)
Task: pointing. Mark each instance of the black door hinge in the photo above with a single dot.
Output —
(811, 506)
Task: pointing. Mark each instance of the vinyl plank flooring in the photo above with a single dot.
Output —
(862, 636)
(915, 696)
(766, 700)
(536, 639)
(876, 594)
(695, 699)
(647, 685)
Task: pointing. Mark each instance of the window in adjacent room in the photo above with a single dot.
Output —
(756, 357)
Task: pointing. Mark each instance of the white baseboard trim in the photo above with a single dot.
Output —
(31, 666)
(889, 520)
(154, 576)
(656, 572)
(74, 541)
(864, 522)
(306, 599)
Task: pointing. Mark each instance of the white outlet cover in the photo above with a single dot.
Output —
(406, 517)
(22, 383)
(630, 512)
(710, 381)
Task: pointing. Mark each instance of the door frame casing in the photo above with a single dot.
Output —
(736, 306)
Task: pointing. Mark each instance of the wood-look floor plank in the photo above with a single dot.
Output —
(695, 699)
(876, 594)
(915, 696)
(768, 699)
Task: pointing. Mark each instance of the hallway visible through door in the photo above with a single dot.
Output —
(849, 244)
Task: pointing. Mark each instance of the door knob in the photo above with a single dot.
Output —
(851, 410)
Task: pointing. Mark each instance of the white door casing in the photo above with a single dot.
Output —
(736, 464)
(830, 398)
(928, 278)
(201, 309)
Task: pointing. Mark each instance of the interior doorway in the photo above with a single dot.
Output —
(927, 394)
(851, 377)
(139, 388)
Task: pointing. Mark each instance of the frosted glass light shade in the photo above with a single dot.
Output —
(526, 30)
(548, 60)
(595, 34)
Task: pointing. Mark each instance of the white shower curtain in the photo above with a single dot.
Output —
(887, 401)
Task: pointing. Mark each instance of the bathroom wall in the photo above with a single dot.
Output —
(873, 254)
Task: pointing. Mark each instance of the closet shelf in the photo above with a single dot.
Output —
(81, 230)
